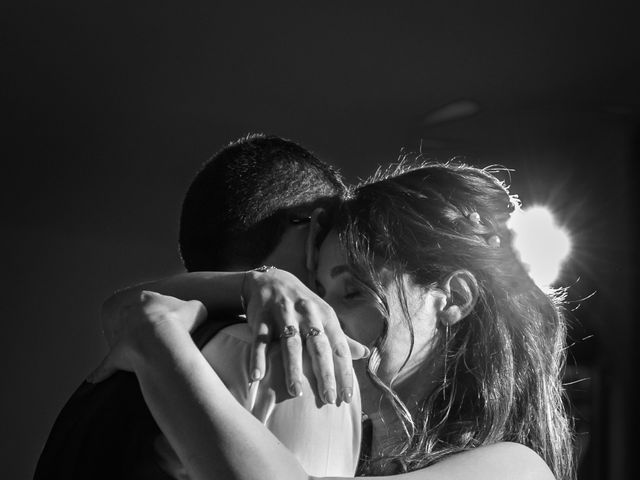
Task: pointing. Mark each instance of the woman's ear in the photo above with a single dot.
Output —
(316, 231)
(461, 289)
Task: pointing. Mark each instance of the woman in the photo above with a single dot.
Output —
(464, 376)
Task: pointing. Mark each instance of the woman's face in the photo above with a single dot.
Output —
(361, 320)
(355, 307)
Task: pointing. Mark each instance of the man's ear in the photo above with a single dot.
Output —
(461, 289)
(316, 231)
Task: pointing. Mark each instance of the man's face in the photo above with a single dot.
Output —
(290, 253)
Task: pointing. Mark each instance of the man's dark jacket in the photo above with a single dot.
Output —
(105, 430)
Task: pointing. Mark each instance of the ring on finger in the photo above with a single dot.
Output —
(312, 332)
(289, 331)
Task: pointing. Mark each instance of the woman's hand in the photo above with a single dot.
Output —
(279, 305)
(145, 320)
(274, 299)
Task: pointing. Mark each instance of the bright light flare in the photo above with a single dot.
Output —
(542, 244)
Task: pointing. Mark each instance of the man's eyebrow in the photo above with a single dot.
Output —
(339, 270)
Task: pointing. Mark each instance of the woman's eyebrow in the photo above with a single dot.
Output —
(338, 270)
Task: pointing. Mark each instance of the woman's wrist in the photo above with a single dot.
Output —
(248, 279)
(158, 341)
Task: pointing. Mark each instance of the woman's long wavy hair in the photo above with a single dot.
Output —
(501, 365)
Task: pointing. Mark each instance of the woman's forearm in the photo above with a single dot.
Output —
(214, 436)
(218, 291)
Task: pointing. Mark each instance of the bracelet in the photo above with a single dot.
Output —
(261, 269)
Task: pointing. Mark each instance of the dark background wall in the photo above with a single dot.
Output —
(110, 108)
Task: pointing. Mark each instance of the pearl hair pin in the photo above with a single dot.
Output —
(494, 240)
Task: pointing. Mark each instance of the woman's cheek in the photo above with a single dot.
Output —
(364, 325)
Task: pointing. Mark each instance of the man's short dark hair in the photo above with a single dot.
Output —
(238, 205)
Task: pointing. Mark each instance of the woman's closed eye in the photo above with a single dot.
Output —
(346, 288)
(353, 295)
(353, 290)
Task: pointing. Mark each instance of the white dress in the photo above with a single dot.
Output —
(324, 438)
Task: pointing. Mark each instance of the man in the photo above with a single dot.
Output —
(240, 204)
(252, 204)
(249, 205)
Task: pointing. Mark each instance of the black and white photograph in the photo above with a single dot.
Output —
(289, 240)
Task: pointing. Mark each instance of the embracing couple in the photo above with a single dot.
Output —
(321, 331)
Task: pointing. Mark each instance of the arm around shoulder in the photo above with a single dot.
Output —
(218, 291)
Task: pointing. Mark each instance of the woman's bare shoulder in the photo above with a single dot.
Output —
(500, 461)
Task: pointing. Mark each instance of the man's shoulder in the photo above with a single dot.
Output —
(230, 345)
(240, 332)
(237, 338)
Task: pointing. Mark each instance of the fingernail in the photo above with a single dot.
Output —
(367, 352)
(330, 395)
(295, 389)
(347, 393)
(256, 374)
